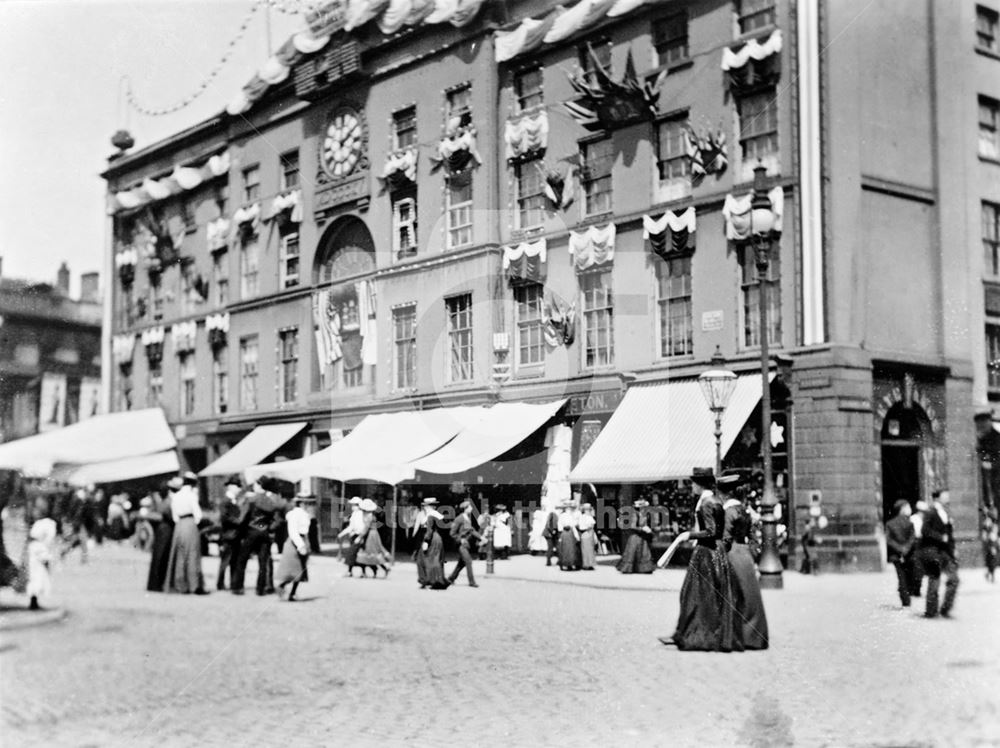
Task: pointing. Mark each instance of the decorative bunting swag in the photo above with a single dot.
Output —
(525, 261)
(183, 335)
(592, 247)
(670, 233)
(125, 262)
(527, 137)
(217, 234)
(754, 63)
(182, 179)
(706, 153)
(737, 214)
(605, 104)
(288, 207)
(400, 168)
(457, 149)
(122, 347)
(217, 326)
(152, 339)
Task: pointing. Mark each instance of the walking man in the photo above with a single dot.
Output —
(229, 534)
(937, 555)
(462, 532)
(901, 538)
(255, 524)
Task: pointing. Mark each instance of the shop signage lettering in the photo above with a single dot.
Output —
(594, 402)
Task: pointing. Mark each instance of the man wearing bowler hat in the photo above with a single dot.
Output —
(462, 532)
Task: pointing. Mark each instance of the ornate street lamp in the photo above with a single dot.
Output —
(717, 385)
(763, 232)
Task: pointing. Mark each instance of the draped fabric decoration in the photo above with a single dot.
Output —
(152, 339)
(360, 12)
(365, 291)
(527, 136)
(307, 44)
(400, 168)
(592, 246)
(217, 326)
(605, 103)
(622, 7)
(671, 232)
(326, 318)
(246, 220)
(582, 15)
(125, 262)
(526, 37)
(181, 179)
(457, 149)
(526, 261)
(559, 322)
(218, 233)
(560, 190)
(738, 214)
(402, 13)
(160, 249)
(288, 206)
(122, 347)
(183, 336)
(753, 63)
(707, 153)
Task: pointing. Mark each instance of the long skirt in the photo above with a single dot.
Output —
(749, 603)
(372, 553)
(502, 536)
(708, 619)
(292, 566)
(637, 558)
(159, 560)
(588, 549)
(184, 570)
(430, 564)
(568, 551)
(39, 578)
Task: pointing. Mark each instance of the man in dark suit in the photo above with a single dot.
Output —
(937, 554)
(255, 524)
(462, 533)
(551, 534)
(229, 534)
(901, 538)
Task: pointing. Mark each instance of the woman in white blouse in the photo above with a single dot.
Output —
(588, 538)
(295, 555)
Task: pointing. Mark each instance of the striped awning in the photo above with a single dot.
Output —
(255, 447)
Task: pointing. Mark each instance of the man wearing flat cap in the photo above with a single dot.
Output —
(463, 532)
(901, 540)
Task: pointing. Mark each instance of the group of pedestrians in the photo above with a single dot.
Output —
(921, 545)
(571, 535)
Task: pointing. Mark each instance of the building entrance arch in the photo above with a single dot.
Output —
(905, 438)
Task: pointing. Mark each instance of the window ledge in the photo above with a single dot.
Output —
(530, 371)
(527, 233)
(674, 67)
(987, 53)
(596, 218)
(761, 33)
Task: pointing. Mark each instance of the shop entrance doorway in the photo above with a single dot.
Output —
(904, 431)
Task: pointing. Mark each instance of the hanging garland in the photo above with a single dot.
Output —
(213, 73)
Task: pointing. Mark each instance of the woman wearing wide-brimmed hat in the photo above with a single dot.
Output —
(502, 536)
(708, 619)
(637, 556)
(430, 548)
(372, 552)
(586, 524)
(746, 587)
(568, 548)
(292, 569)
(184, 570)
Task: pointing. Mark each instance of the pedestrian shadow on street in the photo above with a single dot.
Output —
(306, 599)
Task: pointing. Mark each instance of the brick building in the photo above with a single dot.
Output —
(520, 202)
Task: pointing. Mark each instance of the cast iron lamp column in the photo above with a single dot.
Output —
(762, 234)
(717, 385)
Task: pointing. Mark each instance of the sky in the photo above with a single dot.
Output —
(61, 99)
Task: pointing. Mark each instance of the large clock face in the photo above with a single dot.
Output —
(342, 144)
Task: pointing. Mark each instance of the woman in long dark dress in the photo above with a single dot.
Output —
(708, 618)
(372, 552)
(430, 549)
(637, 555)
(163, 534)
(568, 547)
(746, 587)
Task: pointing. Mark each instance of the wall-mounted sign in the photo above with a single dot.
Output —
(711, 321)
(594, 402)
(52, 403)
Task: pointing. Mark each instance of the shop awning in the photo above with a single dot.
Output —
(660, 431)
(113, 471)
(255, 446)
(487, 434)
(102, 438)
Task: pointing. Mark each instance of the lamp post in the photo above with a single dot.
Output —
(763, 231)
(717, 385)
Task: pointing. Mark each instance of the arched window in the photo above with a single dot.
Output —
(346, 251)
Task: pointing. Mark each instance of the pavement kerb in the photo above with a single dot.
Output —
(23, 619)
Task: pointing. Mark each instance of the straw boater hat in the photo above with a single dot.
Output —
(429, 501)
(500, 508)
(175, 483)
(640, 503)
(367, 505)
(703, 477)
(728, 482)
(354, 500)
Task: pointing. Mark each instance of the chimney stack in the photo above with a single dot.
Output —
(89, 288)
(62, 279)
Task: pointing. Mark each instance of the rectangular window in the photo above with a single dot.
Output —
(220, 380)
(222, 198)
(674, 300)
(987, 22)
(460, 337)
(601, 50)
(290, 170)
(404, 336)
(156, 298)
(989, 127)
(154, 389)
(598, 319)
(758, 114)
(459, 210)
(249, 267)
(220, 277)
(530, 194)
(670, 39)
(528, 88)
(993, 355)
(288, 353)
(598, 158)
(991, 238)
(251, 184)
(189, 377)
(460, 104)
(404, 224)
(404, 127)
(248, 373)
(751, 298)
(755, 14)
(288, 260)
(528, 298)
(671, 154)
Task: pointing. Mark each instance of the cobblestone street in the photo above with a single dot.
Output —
(533, 657)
